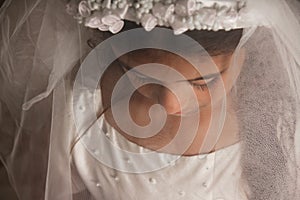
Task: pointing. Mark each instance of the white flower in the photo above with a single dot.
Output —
(231, 16)
(191, 6)
(157, 10)
(229, 19)
(84, 9)
(116, 27)
(107, 3)
(185, 7)
(94, 21)
(207, 16)
(163, 12)
(122, 11)
(178, 26)
(169, 10)
(110, 19)
(180, 10)
(148, 22)
(103, 27)
(216, 26)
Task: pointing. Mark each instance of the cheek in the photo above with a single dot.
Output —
(203, 97)
(148, 90)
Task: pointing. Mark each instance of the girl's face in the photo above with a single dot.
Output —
(217, 78)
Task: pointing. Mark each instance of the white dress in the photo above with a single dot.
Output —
(213, 176)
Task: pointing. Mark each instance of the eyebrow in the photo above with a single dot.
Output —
(127, 67)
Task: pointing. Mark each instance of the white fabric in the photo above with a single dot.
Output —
(41, 47)
(203, 177)
(212, 176)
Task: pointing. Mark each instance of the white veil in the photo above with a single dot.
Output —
(41, 49)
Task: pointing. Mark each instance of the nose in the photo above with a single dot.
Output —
(168, 100)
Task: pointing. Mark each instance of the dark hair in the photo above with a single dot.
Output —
(214, 42)
(217, 42)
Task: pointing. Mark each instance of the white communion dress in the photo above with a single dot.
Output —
(212, 176)
(41, 43)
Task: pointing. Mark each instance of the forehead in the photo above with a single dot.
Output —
(204, 63)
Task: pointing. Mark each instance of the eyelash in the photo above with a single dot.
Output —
(205, 86)
(201, 87)
(138, 77)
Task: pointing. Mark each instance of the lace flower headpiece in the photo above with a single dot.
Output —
(180, 15)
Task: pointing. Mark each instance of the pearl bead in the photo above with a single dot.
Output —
(137, 5)
(128, 161)
(181, 193)
(152, 180)
(81, 108)
(171, 163)
(201, 157)
(116, 178)
(96, 151)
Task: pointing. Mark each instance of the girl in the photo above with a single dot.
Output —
(150, 99)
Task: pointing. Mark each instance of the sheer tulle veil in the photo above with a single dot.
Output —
(42, 47)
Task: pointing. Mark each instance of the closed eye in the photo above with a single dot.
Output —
(201, 83)
(137, 74)
(204, 84)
